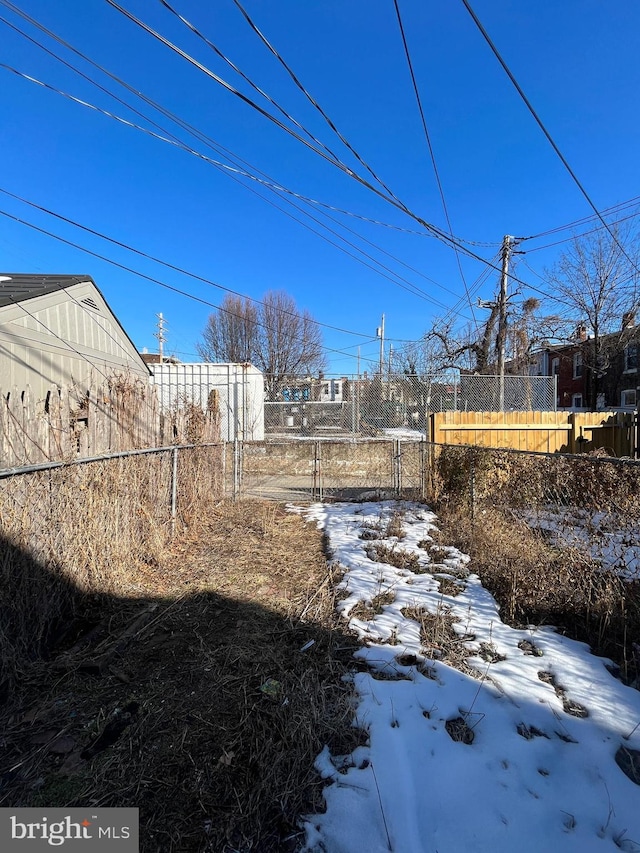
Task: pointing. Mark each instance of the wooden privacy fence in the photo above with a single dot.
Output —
(547, 432)
(117, 416)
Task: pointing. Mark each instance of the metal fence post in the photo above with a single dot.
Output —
(472, 485)
(317, 472)
(235, 469)
(174, 489)
(396, 467)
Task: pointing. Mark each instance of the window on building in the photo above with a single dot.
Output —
(631, 357)
(577, 365)
(628, 397)
(576, 401)
(555, 366)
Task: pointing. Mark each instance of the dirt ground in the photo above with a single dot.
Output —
(202, 694)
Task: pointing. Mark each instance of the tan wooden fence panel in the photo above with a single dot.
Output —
(547, 432)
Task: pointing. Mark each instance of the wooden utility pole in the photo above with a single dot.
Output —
(502, 315)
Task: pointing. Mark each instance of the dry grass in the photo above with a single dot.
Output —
(93, 529)
(395, 526)
(534, 580)
(379, 552)
(202, 692)
(368, 610)
(537, 584)
(439, 639)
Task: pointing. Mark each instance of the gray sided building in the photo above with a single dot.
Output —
(59, 330)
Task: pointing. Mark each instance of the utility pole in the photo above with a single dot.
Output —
(380, 334)
(502, 315)
(160, 335)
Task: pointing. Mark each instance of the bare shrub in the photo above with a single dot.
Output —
(394, 526)
(439, 639)
(368, 610)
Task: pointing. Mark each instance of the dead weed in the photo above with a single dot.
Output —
(203, 700)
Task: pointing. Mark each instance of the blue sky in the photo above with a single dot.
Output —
(577, 62)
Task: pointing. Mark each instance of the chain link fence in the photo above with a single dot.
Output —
(588, 504)
(338, 406)
(90, 528)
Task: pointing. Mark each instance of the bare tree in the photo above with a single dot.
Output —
(274, 335)
(290, 341)
(231, 334)
(598, 279)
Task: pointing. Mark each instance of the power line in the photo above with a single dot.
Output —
(156, 281)
(274, 188)
(430, 147)
(390, 199)
(583, 233)
(397, 279)
(202, 137)
(156, 260)
(542, 127)
(247, 79)
(307, 95)
(430, 229)
(160, 283)
(585, 219)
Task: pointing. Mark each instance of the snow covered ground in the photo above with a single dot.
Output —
(608, 537)
(517, 753)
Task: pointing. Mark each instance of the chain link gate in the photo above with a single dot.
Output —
(330, 469)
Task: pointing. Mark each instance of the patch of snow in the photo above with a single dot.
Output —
(538, 775)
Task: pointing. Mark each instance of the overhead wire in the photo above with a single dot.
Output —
(542, 127)
(429, 228)
(149, 278)
(308, 95)
(583, 233)
(247, 79)
(200, 135)
(395, 277)
(270, 186)
(607, 211)
(174, 140)
(431, 151)
(390, 199)
(313, 202)
(156, 260)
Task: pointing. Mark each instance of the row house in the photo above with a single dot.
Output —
(586, 380)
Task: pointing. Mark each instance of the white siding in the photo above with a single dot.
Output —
(240, 388)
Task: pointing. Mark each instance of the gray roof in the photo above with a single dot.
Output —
(21, 286)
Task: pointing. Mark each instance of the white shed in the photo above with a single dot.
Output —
(240, 388)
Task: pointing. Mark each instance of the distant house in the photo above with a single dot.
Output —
(612, 380)
(59, 330)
